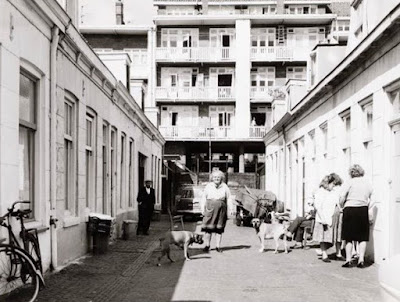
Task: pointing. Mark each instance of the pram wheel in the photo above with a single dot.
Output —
(238, 220)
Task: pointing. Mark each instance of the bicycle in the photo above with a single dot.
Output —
(20, 268)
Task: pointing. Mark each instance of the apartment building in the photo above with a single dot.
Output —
(348, 114)
(73, 140)
(221, 70)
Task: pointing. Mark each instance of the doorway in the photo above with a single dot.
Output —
(142, 169)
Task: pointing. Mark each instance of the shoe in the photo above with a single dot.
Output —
(340, 258)
(327, 260)
(297, 246)
(206, 248)
(361, 264)
(146, 233)
(347, 264)
(219, 250)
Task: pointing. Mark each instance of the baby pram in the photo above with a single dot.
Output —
(251, 203)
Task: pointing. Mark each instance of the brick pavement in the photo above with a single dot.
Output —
(129, 273)
(100, 277)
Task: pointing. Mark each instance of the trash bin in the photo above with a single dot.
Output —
(128, 228)
(99, 226)
(156, 215)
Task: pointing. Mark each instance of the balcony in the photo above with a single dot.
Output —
(195, 54)
(279, 53)
(194, 93)
(202, 133)
(258, 131)
(267, 94)
(197, 132)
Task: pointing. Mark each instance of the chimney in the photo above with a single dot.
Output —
(280, 7)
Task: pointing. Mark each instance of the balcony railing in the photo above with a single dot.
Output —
(268, 93)
(258, 131)
(195, 93)
(197, 132)
(271, 53)
(195, 54)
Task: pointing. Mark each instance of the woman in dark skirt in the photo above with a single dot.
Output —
(355, 200)
(216, 195)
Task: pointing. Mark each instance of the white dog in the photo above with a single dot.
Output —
(274, 230)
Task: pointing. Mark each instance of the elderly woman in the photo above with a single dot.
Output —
(337, 217)
(216, 194)
(325, 202)
(355, 199)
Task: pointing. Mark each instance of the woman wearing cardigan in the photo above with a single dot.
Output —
(355, 199)
(325, 203)
(216, 195)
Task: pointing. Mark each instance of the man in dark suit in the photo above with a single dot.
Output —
(146, 200)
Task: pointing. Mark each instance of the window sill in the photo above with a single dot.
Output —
(36, 225)
(71, 221)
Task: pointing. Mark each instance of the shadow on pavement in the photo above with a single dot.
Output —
(235, 247)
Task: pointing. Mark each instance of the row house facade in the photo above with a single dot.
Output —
(73, 139)
(348, 114)
(221, 70)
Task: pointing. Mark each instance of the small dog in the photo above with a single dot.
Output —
(274, 230)
(180, 238)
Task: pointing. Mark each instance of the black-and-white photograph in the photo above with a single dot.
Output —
(200, 150)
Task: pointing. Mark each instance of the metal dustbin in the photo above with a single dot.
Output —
(99, 226)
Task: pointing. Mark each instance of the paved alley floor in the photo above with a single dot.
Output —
(129, 273)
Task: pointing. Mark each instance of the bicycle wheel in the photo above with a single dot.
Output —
(32, 246)
(18, 279)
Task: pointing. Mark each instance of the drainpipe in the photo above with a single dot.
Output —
(284, 165)
(53, 151)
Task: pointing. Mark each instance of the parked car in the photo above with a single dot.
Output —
(189, 202)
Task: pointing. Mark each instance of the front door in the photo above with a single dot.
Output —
(395, 194)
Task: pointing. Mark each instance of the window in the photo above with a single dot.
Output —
(313, 145)
(27, 131)
(119, 12)
(113, 154)
(324, 133)
(90, 160)
(104, 153)
(70, 141)
(123, 172)
(367, 120)
(296, 73)
(130, 185)
(346, 144)
(395, 99)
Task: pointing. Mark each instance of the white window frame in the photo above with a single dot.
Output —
(296, 72)
(313, 144)
(122, 171)
(32, 128)
(266, 74)
(70, 164)
(324, 132)
(105, 165)
(91, 155)
(131, 173)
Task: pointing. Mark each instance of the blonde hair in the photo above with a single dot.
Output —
(218, 173)
(356, 171)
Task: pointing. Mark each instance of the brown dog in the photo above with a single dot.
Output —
(274, 230)
(180, 238)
